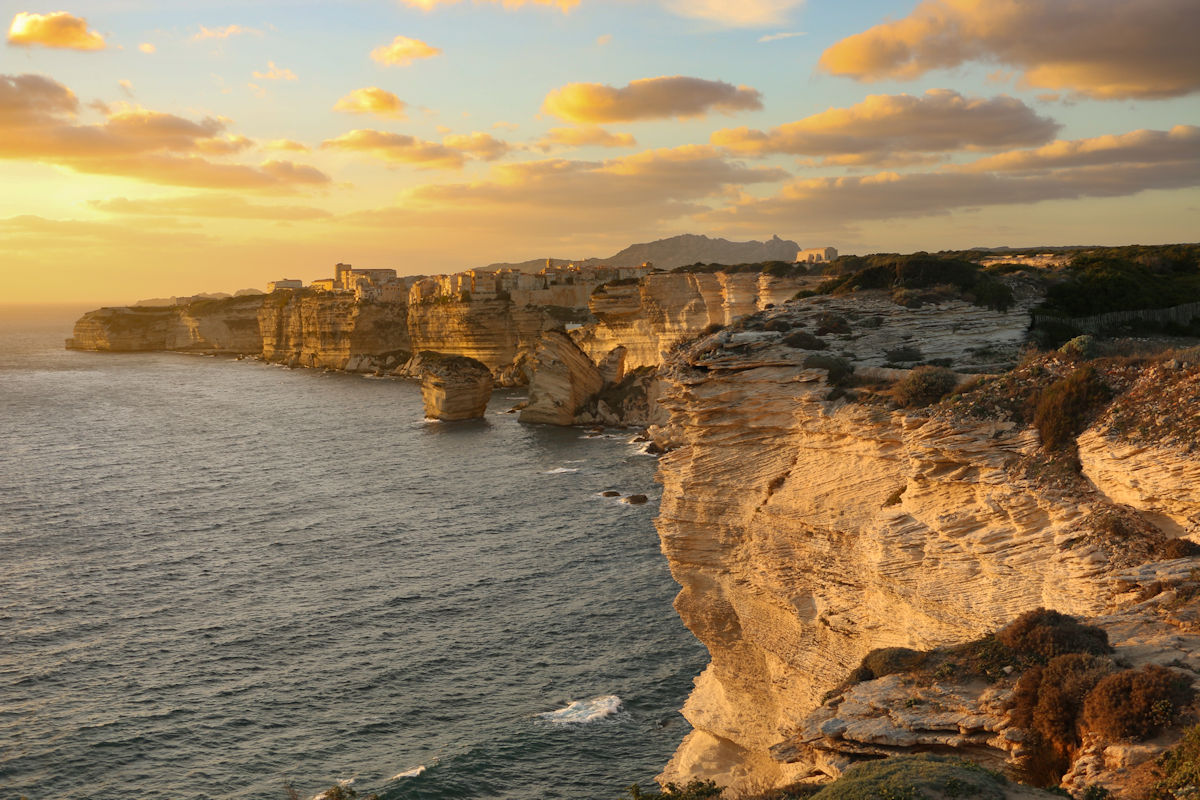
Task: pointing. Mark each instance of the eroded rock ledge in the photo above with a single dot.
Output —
(807, 528)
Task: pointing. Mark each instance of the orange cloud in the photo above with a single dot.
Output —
(1106, 49)
(397, 148)
(883, 127)
(286, 144)
(483, 146)
(631, 193)
(587, 136)
(429, 5)
(224, 33)
(147, 48)
(1103, 167)
(207, 205)
(372, 100)
(1181, 143)
(37, 123)
(737, 13)
(58, 29)
(403, 51)
(649, 98)
(274, 73)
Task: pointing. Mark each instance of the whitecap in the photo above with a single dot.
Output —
(343, 783)
(581, 711)
(560, 470)
(408, 773)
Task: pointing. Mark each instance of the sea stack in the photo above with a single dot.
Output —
(454, 387)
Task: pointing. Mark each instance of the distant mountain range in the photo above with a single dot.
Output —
(677, 251)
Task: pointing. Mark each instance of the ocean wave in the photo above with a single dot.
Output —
(408, 773)
(582, 711)
(560, 470)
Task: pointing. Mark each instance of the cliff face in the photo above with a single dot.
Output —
(333, 330)
(807, 529)
(494, 332)
(224, 326)
(649, 317)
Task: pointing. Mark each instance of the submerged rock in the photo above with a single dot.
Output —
(454, 387)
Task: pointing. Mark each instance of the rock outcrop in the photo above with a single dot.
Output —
(334, 331)
(454, 387)
(810, 521)
(650, 316)
(564, 379)
(217, 326)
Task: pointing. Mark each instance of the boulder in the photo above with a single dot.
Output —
(454, 387)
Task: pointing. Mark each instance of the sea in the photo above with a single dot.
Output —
(226, 579)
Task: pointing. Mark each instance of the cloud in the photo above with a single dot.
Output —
(403, 51)
(274, 73)
(775, 37)
(224, 33)
(737, 13)
(481, 145)
(58, 29)
(397, 148)
(883, 127)
(147, 48)
(1103, 167)
(1180, 143)
(604, 39)
(42, 234)
(1105, 49)
(286, 145)
(631, 193)
(649, 98)
(429, 5)
(37, 123)
(207, 205)
(587, 136)
(372, 100)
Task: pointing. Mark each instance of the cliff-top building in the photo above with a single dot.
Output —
(817, 255)
(285, 283)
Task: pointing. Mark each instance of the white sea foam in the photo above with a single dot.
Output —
(409, 773)
(560, 470)
(325, 794)
(581, 711)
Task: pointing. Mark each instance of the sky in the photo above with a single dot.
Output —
(151, 148)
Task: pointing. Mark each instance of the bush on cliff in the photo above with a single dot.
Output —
(694, 790)
(924, 386)
(1042, 634)
(1136, 703)
(1179, 769)
(901, 274)
(915, 778)
(1065, 407)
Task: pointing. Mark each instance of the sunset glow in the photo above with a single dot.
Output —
(162, 148)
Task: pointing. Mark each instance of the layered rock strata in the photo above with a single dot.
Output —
(807, 529)
(650, 316)
(454, 388)
(564, 379)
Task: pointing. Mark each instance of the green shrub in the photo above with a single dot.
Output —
(779, 325)
(839, 369)
(1041, 634)
(923, 386)
(1179, 769)
(915, 778)
(802, 340)
(1136, 704)
(694, 790)
(905, 353)
(1083, 347)
(1065, 407)
(889, 660)
(831, 323)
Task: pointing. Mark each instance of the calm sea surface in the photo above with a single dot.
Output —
(216, 576)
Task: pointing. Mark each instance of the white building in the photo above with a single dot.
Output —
(817, 255)
(286, 283)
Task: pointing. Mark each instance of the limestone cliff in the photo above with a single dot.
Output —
(222, 326)
(564, 379)
(650, 316)
(323, 329)
(810, 521)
